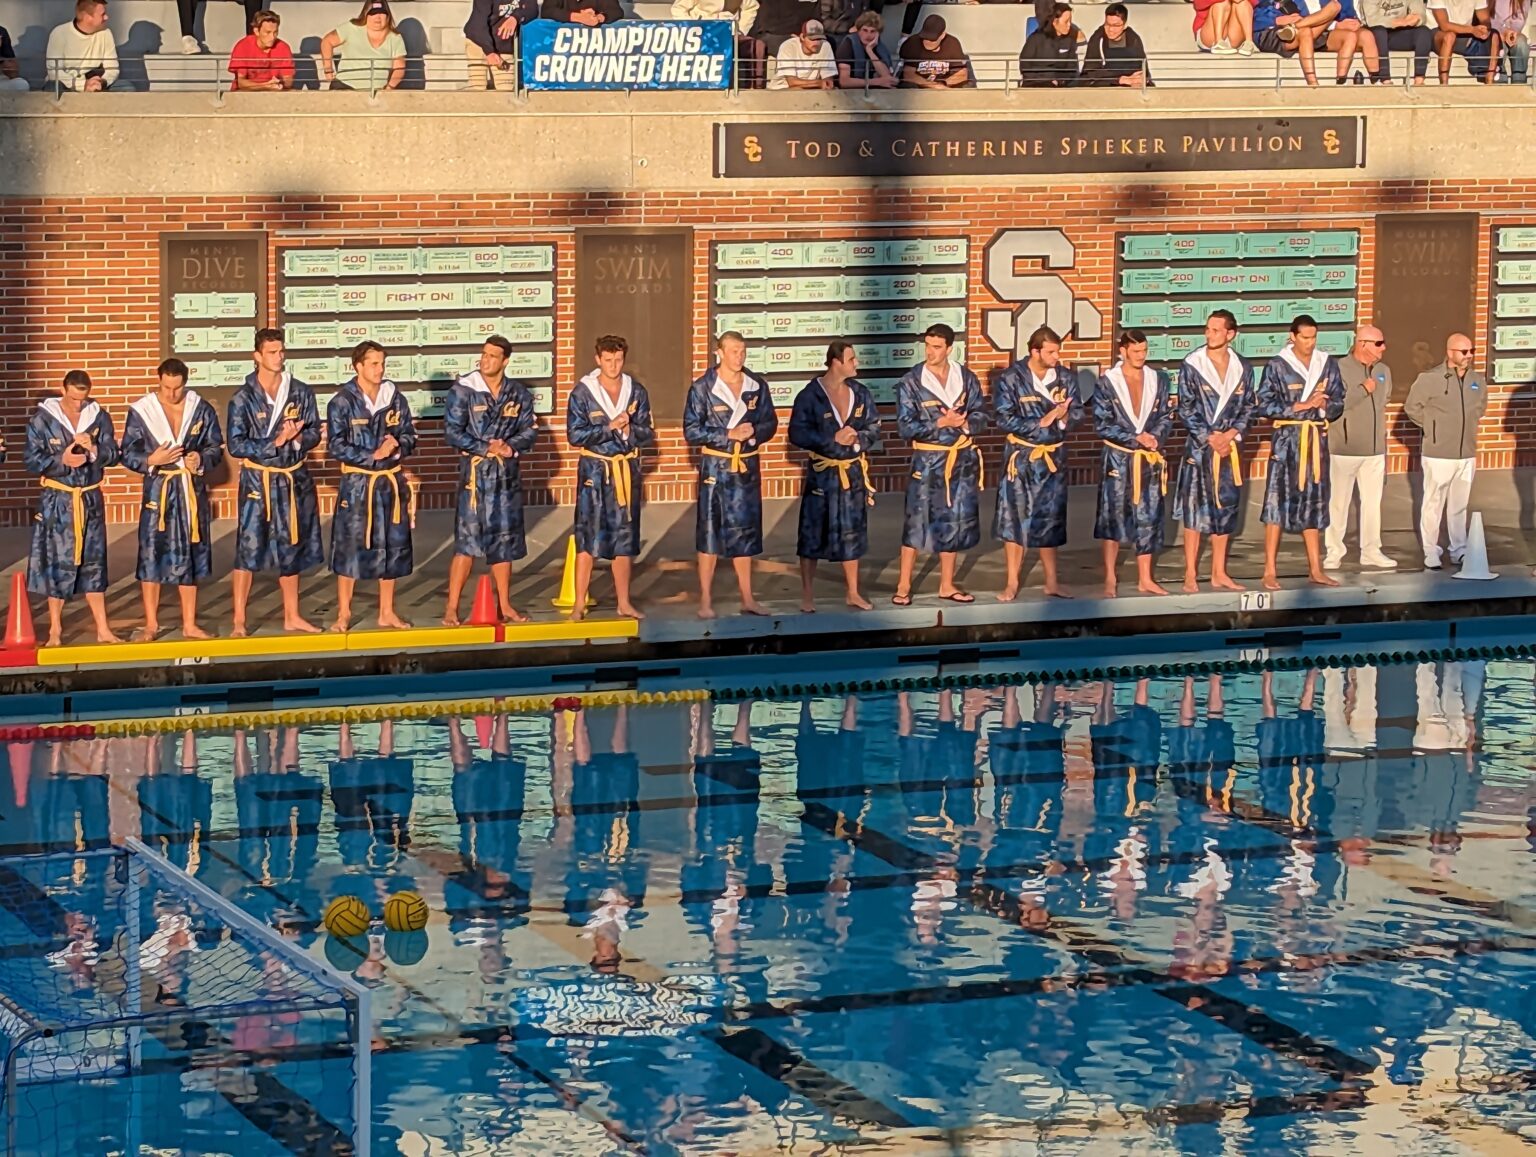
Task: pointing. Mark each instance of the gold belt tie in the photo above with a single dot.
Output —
(392, 474)
(288, 472)
(1141, 458)
(620, 470)
(77, 509)
(951, 453)
(165, 474)
(1237, 470)
(844, 467)
(1311, 447)
(738, 457)
(1038, 452)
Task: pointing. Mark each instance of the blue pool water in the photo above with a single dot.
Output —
(1253, 914)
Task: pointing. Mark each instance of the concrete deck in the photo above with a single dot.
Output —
(666, 590)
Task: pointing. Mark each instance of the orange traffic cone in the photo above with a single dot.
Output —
(486, 613)
(20, 755)
(483, 731)
(18, 623)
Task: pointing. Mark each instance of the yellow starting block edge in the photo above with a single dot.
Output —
(378, 712)
(313, 646)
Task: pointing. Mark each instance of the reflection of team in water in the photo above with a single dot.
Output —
(828, 846)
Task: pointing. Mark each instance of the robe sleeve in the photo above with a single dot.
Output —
(806, 431)
(914, 420)
(1192, 405)
(309, 419)
(41, 458)
(868, 426)
(210, 440)
(341, 443)
(582, 430)
(525, 429)
(106, 442)
(1274, 399)
(137, 445)
(244, 440)
(641, 431)
(766, 424)
(698, 430)
(975, 403)
(1334, 386)
(1010, 415)
(456, 423)
(1160, 424)
(405, 432)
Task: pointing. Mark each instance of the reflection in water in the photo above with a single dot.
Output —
(784, 926)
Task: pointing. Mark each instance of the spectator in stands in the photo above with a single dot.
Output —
(588, 12)
(186, 13)
(1510, 47)
(1115, 54)
(490, 41)
(1049, 56)
(9, 81)
(1224, 27)
(82, 56)
(1462, 28)
(781, 20)
(1305, 27)
(862, 61)
(1397, 25)
(1365, 43)
(750, 53)
(932, 58)
(372, 52)
(806, 61)
(261, 62)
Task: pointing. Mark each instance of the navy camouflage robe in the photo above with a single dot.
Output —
(173, 499)
(69, 534)
(608, 486)
(1297, 490)
(488, 521)
(730, 500)
(277, 516)
(1121, 516)
(1208, 496)
(1032, 484)
(944, 489)
(371, 529)
(834, 513)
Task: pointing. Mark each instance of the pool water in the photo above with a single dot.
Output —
(1250, 914)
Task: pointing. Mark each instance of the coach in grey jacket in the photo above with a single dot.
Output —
(1357, 450)
(1447, 403)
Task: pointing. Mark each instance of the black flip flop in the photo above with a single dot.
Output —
(961, 597)
(902, 600)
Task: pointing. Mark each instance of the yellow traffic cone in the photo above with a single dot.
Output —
(566, 599)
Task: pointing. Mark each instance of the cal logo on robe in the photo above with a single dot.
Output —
(510, 410)
(392, 418)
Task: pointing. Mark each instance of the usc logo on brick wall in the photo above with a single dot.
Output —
(1038, 298)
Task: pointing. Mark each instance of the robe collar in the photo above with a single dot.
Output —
(158, 422)
(1311, 372)
(719, 389)
(950, 390)
(609, 406)
(54, 408)
(1122, 388)
(1225, 386)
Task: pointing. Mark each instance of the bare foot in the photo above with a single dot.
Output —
(578, 614)
(342, 626)
(705, 612)
(1111, 589)
(1054, 591)
(513, 615)
(393, 623)
(1321, 579)
(148, 633)
(1226, 583)
(1151, 587)
(1008, 594)
(809, 608)
(238, 631)
(630, 611)
(858, 602)
(108, 637)
(194, 632)
(1192, 585)
(1271, 583)
(451, 620)
(754, 608)
(53, 639)
(300, 625)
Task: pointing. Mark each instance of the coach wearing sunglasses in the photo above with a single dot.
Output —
(1447, 402)
(1357, 444)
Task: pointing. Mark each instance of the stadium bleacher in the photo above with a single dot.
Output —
(149, 42)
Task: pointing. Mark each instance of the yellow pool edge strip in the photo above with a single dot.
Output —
(402, 712)
(316, 646)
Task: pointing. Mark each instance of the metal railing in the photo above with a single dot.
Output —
(448, 72)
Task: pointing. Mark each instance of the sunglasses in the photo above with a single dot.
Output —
(1468, 350)
(1376, 343)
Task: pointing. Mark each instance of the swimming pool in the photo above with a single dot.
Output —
(1256, 913)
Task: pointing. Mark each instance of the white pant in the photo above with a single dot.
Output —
(1447, 486)
(1370, 472)
(1349, 709)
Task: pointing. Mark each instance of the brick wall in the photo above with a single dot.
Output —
(79, 283)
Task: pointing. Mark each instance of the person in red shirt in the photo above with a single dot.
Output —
(261, 62)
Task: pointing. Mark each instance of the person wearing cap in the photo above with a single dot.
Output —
(931, 58)
(805, 61)
(372, 51)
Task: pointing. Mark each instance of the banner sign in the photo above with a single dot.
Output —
(934, 148)
(651, 55)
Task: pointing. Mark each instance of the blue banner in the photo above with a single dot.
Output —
(632, 54)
